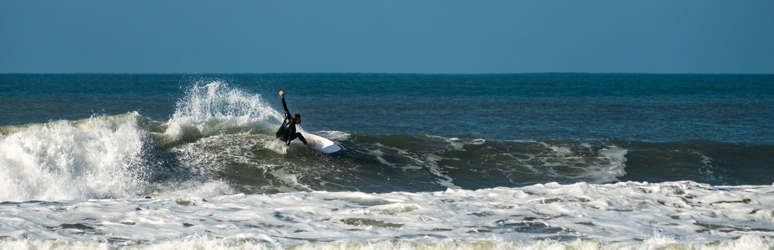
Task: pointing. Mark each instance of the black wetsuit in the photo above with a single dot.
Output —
(287, 132)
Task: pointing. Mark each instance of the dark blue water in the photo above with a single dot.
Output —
(431, 132)
(724, 108)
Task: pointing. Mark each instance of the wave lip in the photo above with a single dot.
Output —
(212, 107)
(103, 157)
(98, 157)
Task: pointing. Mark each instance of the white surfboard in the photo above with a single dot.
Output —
(320, 144)
(314, 142)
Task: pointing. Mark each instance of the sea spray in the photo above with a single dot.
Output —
(93, 158)
(211, 107)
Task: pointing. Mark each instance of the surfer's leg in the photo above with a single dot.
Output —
(300, 137)
(297, 135)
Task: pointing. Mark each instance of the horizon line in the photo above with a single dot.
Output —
(377, 73)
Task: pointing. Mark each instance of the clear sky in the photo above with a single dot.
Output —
(413, 36)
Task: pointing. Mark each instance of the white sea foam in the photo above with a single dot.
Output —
(459, 144)
(413, 161)
(100, 157)
(626, 215)
(93, 158)
(614, 165)
(604, 165)
(202, 242)
(335, 135)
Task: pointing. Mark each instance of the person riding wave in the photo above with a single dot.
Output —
(287, 132)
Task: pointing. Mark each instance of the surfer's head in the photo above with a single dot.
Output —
(296, 119)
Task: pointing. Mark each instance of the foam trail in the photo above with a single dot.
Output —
(586, 163)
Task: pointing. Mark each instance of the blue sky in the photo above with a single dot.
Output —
(457, 37)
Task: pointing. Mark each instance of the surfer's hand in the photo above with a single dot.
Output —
(282, 94)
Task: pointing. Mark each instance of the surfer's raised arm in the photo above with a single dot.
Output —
(287, 113)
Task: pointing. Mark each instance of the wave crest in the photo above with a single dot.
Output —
(96, 157)
(212, 107)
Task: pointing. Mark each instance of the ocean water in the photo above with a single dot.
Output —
(535, 161)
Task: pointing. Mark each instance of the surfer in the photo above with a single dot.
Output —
(287, 132)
